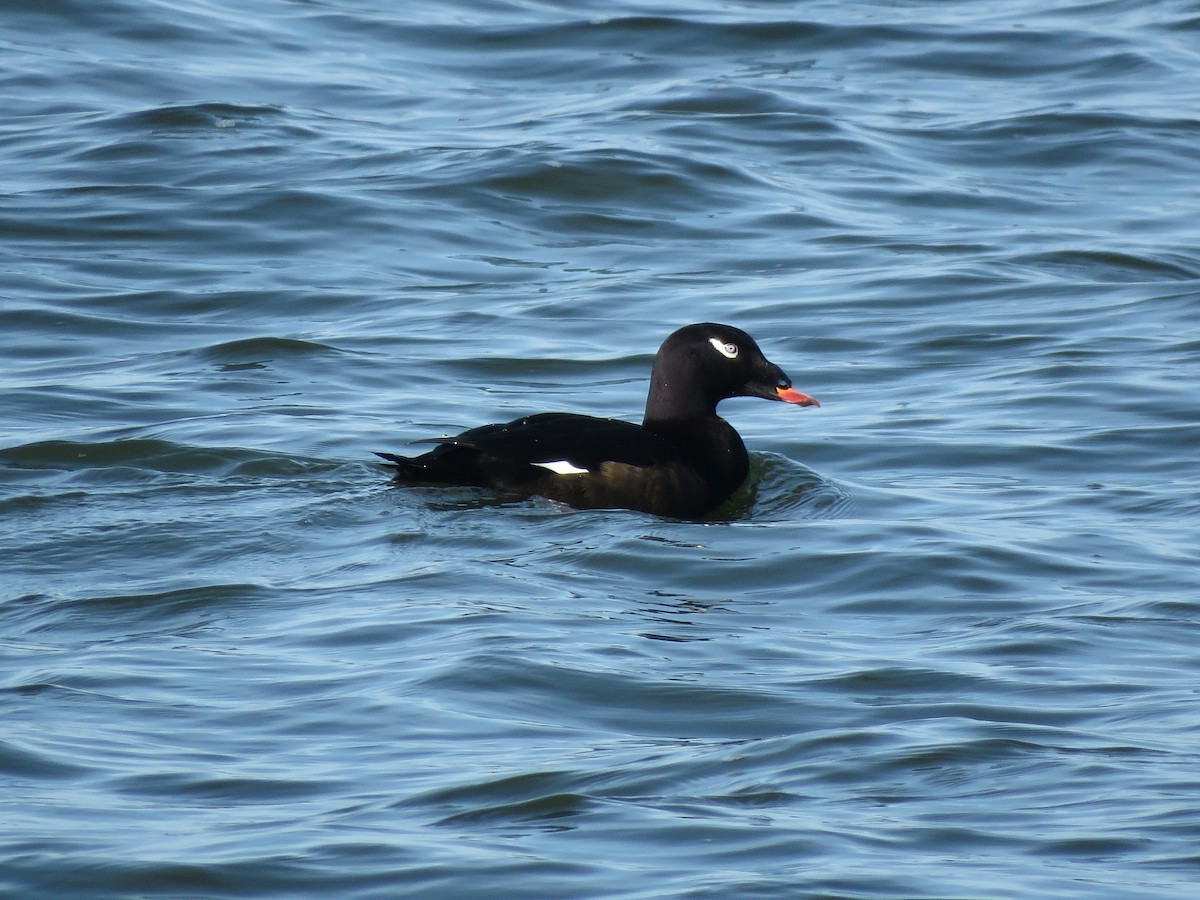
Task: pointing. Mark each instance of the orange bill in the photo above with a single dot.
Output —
(791, 395)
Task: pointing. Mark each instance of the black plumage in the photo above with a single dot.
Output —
(682, 461)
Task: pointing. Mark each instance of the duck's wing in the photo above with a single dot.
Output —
(513, 454)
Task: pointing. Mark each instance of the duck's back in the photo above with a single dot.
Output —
(587, 462)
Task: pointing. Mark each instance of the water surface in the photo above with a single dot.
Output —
(944, 646)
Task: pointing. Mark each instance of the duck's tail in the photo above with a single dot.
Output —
(405, 467)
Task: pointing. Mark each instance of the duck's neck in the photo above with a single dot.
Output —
(674, 398)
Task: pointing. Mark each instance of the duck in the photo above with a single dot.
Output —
(683, 461)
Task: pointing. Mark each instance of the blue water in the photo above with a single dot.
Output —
(946, 645)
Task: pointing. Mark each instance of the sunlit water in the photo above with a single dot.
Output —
(946, 643)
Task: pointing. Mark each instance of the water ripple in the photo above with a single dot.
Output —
(946, 635)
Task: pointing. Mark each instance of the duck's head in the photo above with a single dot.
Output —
(700, 365)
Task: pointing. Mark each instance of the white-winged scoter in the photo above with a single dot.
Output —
(682, 461)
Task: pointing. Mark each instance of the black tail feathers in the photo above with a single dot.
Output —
(406, 468)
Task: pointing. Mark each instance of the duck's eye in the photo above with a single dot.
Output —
(729, 351)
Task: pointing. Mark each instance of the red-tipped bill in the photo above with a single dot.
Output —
(791, 395)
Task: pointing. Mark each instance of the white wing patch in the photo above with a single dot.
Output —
(562, 467)
(728, 350)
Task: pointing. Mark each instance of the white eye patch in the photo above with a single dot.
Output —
(562, 467)
(729, 351)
